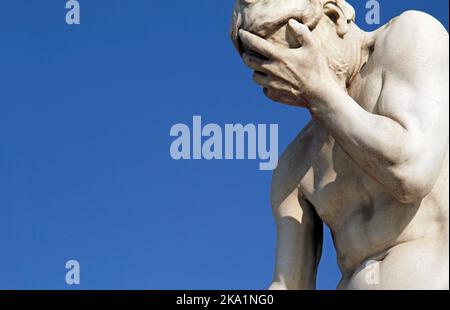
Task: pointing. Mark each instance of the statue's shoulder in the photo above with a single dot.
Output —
(412, 39)
(414, 25)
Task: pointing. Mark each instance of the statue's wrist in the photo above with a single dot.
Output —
(326, 96)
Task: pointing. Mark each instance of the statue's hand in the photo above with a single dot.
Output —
(290, 76)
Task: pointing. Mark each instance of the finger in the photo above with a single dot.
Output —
(277, 96)
(301, 32)
(268, 81)
(256, 63)
(277, 90)
(262, 79)
(256, 44)
(283, 97)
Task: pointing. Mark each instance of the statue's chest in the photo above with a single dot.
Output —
(333, 182)
(335, 185)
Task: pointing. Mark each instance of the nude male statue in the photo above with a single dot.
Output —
(372, 164)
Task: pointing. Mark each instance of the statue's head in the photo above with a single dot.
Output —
(330, 20)
(266, 17)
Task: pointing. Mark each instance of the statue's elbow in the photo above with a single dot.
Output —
(278, 286)
(412, 188)
(293, 286)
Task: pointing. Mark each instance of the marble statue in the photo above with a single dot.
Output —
(372, 163)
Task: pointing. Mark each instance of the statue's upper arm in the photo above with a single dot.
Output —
(415, 75)
(415, 91)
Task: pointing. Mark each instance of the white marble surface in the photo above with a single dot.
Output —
(372, 164)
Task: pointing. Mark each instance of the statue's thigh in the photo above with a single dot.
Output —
(415, 265)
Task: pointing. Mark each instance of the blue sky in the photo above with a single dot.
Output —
(85, 168)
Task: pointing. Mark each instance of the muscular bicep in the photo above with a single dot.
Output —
(415, 90)
(421, 109)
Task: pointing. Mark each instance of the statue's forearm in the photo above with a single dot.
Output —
(378, 144)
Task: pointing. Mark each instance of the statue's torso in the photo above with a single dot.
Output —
(365, 219)
(367, 222)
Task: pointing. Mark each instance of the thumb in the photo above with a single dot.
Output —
(300, 32)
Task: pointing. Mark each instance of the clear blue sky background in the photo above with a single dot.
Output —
(85, 169)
